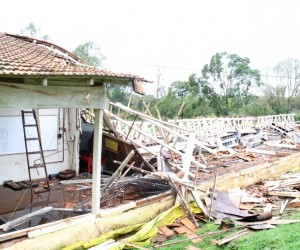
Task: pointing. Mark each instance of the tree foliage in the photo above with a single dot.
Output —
(90, 53)
(288, 78)
(32, 31)
(229, 77)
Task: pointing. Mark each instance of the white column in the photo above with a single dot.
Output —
(73, 139)
(97, 148)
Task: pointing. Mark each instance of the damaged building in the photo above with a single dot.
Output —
(66, 180)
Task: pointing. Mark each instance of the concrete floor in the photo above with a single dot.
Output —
(18, 203)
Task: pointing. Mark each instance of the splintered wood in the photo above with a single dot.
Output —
(287, 185)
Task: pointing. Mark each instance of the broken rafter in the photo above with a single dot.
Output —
(118, 172)
(184, 204)
(149, 117)
(160, 142)
(165, 127)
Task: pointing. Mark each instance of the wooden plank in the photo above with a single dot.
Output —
(233, 236)
(182, 230)
(282, 154)
(158, 159)
(165, 231)
(14, 186)
(184, 204)
(283, 206)
(118, 171)
(79, 181)
(186, 222)
(51, 96)
(199, 203)
(187, 157)
(194, 237)
(285, 194)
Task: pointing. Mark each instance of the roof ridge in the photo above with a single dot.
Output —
(46, 43)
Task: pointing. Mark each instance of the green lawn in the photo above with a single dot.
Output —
(283, 237)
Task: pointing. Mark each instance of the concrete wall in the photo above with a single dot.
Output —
(251, 175)
(14, 166)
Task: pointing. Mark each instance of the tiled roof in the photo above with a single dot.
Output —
(24, 56)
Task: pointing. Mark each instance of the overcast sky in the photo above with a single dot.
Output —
(138, 36)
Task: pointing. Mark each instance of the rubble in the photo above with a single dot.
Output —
(154, 159)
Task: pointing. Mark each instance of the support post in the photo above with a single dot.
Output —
(97, 150)
(73, 139)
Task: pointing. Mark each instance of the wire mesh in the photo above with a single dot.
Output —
(133, 189)
(73, 198)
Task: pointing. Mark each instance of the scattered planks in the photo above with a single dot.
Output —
(233, 236)
(286, 186)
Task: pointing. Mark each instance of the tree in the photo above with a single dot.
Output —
(228, 79)
(159, 79)
(288, 78)
(90, 54)
(32, 31)
(274, 96)
(180, 89)
(169, 105)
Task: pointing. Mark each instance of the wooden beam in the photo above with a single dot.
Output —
(233, 236)
(119, 105)
(40, 96)
(165, 127)
(188, 155)
(118, 172)
(184, 204)
(11, 224)
(97, 150)
(199, 203)
(158, 141)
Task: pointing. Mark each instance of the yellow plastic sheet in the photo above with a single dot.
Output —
(144, 232)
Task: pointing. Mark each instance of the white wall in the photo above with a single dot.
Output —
(14, 166)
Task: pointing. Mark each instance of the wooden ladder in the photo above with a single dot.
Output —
(32, 138)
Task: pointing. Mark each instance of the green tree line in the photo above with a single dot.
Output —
(227, 86)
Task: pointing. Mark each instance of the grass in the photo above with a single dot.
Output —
(283, 237)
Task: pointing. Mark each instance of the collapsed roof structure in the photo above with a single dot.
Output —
(167, 160)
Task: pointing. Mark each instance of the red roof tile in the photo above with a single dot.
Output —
(24, 56)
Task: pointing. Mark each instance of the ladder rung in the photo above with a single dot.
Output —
(30, 125)
(31, 139)
(38, 166)
(34, 152)
(27, 112)
(42, 190)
